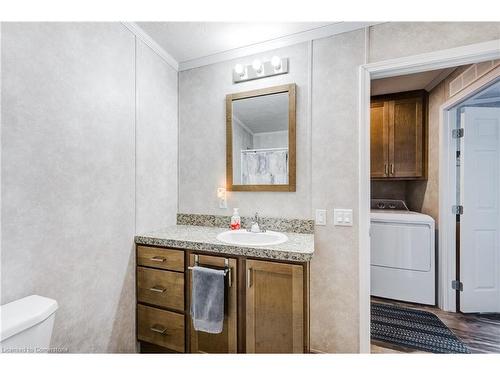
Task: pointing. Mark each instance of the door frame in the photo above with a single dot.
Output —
(447, 191)
(447, 58)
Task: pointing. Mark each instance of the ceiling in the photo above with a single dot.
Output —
(186, 41)
(418, 81)
(262, 114)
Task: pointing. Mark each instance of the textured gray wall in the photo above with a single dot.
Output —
(399, 39)
(202, 139)
(68, 172)
(156, 140)
(334, 268)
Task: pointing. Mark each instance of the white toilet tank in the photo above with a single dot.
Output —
(26, 325)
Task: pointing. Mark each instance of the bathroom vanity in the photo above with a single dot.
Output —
(266, 291)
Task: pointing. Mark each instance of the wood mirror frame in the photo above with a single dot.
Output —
(291, 186)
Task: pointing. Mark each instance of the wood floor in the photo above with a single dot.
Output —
(480, 332)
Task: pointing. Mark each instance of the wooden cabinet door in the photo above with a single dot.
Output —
(379, 139)
(226, 341)
(406, 136)
(274, 307)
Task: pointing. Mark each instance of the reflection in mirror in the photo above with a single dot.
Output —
(260, 140)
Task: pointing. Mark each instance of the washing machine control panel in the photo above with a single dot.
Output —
(388, 204)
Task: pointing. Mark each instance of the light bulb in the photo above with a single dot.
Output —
(239, 69)
(276, 62)
(257, 66)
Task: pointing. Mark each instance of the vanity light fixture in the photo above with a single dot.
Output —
(260, 69)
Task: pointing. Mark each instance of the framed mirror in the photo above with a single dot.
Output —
(260, 140)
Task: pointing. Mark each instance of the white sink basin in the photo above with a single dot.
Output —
(242, 237)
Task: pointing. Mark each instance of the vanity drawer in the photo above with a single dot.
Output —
(160, 327)
(166, 259)
(161, 288)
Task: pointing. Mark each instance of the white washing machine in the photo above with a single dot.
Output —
(403, 261)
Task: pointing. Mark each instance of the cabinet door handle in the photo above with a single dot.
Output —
(157, 289)
(158, 259)
(392, 169)
(249, 278)
(158, 329)
(386, 169)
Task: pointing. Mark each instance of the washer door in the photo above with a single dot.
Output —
(401, 246)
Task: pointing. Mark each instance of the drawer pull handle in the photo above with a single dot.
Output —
(158, 259)
(157, 289)
(158, 329)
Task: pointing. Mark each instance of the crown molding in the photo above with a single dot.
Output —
(135, 29)
(305, 36)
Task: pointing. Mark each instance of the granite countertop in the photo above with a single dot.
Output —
(298, 248)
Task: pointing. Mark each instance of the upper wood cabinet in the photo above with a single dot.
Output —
(398, 136)
(274, 308)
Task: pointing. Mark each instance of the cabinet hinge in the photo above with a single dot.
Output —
(457, 210)
(457, 133)
(457, 285)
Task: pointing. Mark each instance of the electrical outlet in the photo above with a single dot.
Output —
(342, 217)
(320, 217)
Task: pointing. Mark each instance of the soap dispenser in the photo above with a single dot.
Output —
(235, 220)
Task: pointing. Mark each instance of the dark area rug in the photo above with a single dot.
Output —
(414, 329)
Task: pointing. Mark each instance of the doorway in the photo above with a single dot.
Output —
(402, 238)
(413, 64)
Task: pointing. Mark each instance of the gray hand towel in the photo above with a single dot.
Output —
(207, 299)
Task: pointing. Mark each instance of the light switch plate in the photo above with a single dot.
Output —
(342, 217)
(320, 217)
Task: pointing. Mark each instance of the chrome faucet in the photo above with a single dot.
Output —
(255, 227)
